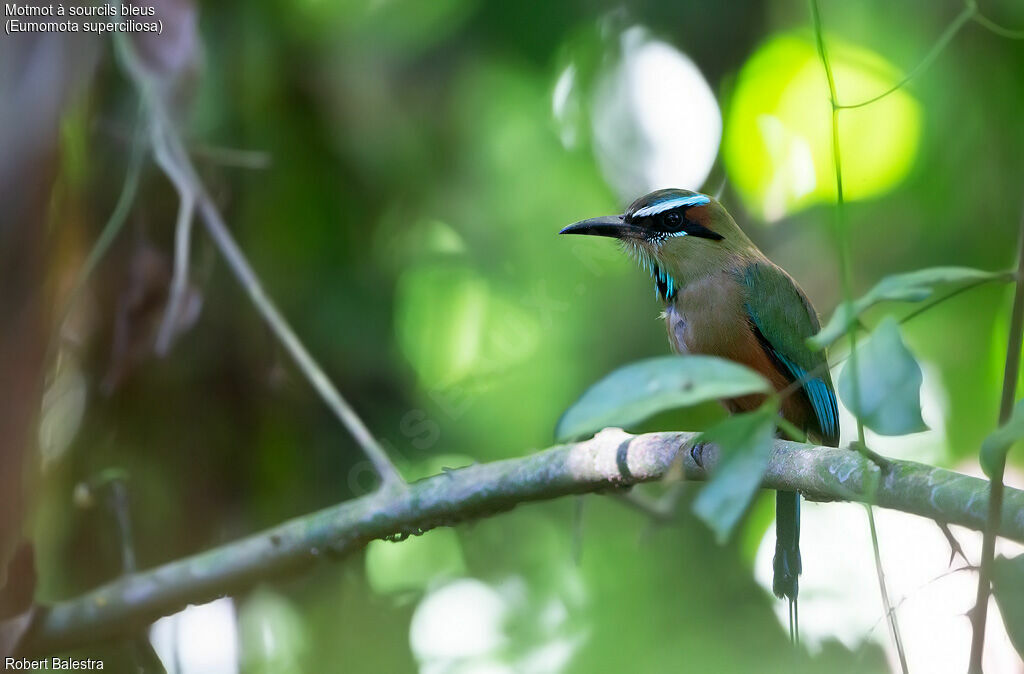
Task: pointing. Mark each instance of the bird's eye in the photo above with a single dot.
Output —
(673, 220)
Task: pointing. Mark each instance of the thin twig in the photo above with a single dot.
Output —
(954, 545)
(842, 234)
(947, 35)
(890, 611)
(140, 650)
(659, 510)
(255, 160)
(182, 237)
(309, 367)
(798, 383)
(110, 230)
(979, 615)
(846, 277)
(994, 27)
(917, 590)
(236, 260)
(109, 488)
(968, 13)
(221, 155)
(953, 293)
(121, 510)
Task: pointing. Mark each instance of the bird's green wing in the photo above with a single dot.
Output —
(783, 319)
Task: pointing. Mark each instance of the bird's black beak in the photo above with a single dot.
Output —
(608, 225)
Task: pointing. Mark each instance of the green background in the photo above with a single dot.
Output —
(406, 226)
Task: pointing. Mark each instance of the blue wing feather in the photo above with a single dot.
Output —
(822, 397)
(782, 319)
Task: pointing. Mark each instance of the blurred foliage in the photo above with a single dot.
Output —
(406, 226)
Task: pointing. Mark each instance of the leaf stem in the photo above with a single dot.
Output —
(890, 610)
(947, 36)
(182, 237)
(953, 293)
(183, 170)
(979, 615)
(796, 384)
(846, 278)
(842, 231)
(109, 232)
(994, 27)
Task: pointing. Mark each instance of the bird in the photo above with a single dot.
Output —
(723, 297)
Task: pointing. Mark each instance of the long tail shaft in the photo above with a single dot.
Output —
(787, 565)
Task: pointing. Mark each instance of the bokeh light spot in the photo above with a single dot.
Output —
(464, 619)
(778, 138)
(198, 639)
(655, 119)
(453, 324)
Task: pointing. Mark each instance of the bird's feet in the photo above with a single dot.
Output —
(885, 465)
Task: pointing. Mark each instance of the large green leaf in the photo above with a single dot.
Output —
(913, 286)
(998, 443)
(1008, 588)
(890, 383)
(745, 445)
(634, 392)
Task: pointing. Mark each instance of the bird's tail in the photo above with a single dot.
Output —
(786, 581)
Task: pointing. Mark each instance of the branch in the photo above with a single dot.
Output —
(163, 152)
(996, 489)
(846, 281)
(612, 460)
(174, 159)
(966, 14)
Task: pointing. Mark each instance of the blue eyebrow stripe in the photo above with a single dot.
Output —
(670, 203)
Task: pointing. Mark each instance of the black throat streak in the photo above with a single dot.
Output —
(665, 286)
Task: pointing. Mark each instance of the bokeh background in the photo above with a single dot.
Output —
(397, 171)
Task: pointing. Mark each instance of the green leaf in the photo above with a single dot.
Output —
(1008, 589)
(890, 383)
(913, 286)
(745, 443)
(637, 391)
(999, 441)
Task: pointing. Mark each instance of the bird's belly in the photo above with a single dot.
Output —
(716, 331)
(704, 331)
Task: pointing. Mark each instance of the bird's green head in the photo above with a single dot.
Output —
(676, 235)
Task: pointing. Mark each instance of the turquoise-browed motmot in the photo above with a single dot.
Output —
(724, 298)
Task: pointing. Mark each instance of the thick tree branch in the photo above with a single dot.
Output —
(611, 460)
